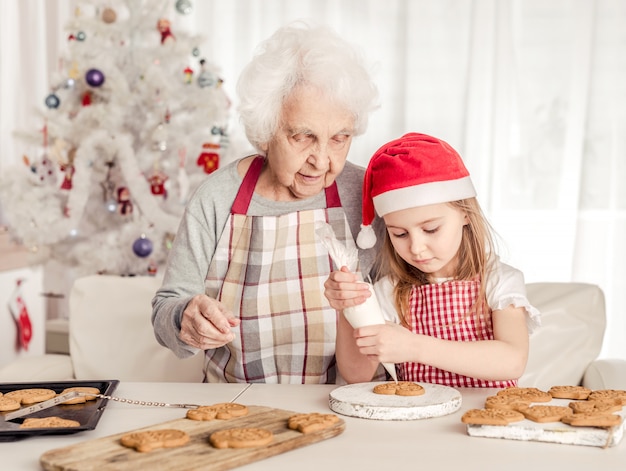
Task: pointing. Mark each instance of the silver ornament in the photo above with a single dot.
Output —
(184, 6)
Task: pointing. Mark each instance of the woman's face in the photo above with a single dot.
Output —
(309, 149)
(428, 237)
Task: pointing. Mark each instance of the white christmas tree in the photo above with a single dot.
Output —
(135, 120)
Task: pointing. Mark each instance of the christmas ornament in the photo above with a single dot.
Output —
(124, 204)
(108, 15)
(206, 78)
(73, 73)
(19, 311)
(52, 101)
(159, 138)
(157, 183)
(45, 171)
(94, 77)
(142, 247)
(86, 100)
(195, 52)
(164, 27)
(68, 170)
(81, 36)
(188, 74)
(182, 178)
(184, 7)
(209, 159)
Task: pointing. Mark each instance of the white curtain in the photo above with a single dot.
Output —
(532, 93)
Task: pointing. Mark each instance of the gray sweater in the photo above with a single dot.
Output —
(201, 227)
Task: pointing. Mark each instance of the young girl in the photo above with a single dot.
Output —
(460, 316)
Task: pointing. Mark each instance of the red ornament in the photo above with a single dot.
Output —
(157, 184)
(209, 159)
(125, 205)
(164, 27)
(86, 99)
(18, 309)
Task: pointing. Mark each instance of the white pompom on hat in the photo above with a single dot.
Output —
(414, 170)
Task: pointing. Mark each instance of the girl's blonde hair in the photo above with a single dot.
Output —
(474, 257)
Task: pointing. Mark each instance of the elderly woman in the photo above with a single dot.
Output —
(245, 276)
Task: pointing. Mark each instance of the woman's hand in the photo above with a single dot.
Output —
(343, 289)
(206, 323)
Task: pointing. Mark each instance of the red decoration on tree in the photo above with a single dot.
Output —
(69, 170)
(209, 159)
(164, 27)
(125, 205)
(86, 99)
(157, 184)
(18, 309)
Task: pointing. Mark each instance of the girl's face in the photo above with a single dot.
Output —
(310, 147)
(428, 237)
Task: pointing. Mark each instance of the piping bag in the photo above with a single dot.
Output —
(368, 313)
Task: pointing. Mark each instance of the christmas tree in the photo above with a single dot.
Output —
(134, 121)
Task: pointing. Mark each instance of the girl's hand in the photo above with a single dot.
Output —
(385, 343)
(343, 289)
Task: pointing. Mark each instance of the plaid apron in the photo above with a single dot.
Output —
(440, 310)
(270, 271)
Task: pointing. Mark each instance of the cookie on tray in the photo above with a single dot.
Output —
(148, 440)
(222, 411)
(245, 437)
(7, 404)
(30, 396)
(311, 422)
(546, 413)
(491, 417)
(90, 394)
(592, 420)
(506, 402)
(49, 422)
(569, 392)
(608, 394)
(596, 407)
(526, 394)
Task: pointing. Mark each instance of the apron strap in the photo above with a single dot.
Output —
(246, 190)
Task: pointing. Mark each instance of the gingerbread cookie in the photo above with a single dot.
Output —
(90, 394)
(401, 388)
(48, 422)
(312, 422)
(596, 407)
(592, 420)
(222, 411)
(491, 417)
(618, 394)
(526, 394)
(569, 392)
(544, 413)
(30, 396)
(7, 404)
(149, 440)
(241, 437)
(506, 402)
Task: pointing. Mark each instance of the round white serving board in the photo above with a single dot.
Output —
(359, 400)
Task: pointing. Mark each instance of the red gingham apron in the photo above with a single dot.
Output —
(270, 271)
(440, 310)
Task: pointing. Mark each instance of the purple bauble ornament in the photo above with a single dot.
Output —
(142, 247)
(94, 77)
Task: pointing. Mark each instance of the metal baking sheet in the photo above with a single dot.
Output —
(87, 414)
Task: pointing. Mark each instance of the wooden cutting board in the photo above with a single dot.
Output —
(107, 453)
(360, 400)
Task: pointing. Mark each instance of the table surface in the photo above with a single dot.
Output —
(439, 443)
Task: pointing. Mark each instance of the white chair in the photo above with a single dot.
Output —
(564, 350)
(110, 337)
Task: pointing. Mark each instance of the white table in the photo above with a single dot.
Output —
(435, 444)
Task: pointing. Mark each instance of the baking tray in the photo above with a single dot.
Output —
(87, 414)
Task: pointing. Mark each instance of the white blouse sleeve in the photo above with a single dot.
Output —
(506, 287)
(384, 293)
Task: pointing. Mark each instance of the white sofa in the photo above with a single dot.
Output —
(111, 337)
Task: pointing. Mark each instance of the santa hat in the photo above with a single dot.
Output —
(415, 170)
